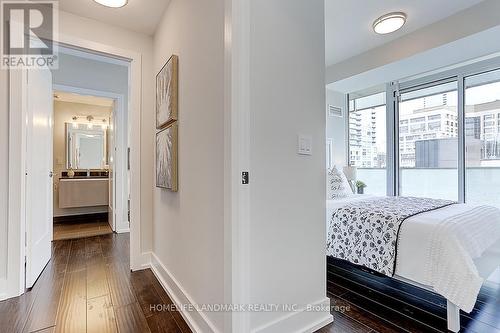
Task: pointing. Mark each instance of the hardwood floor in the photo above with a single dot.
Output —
(81, 226)
(88, 287)
(364, 302)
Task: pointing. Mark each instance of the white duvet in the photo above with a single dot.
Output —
(442, 249)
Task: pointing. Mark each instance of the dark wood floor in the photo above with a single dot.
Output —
(88, 287)
(366, 303)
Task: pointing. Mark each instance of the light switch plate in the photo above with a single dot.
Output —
(304, 145)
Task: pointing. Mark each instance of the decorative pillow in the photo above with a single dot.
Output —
(338, 186)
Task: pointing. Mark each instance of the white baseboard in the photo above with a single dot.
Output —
(5, 293)
(3, 289)
(197, 321)
(302, 321)
(145, 260)
(122, 231)
(296, 322)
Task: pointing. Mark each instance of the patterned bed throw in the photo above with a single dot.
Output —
(366, 232)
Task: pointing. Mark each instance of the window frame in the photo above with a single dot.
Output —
(348, 123)
(393, 92)
(397, 101)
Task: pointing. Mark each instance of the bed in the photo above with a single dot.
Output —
(441, 246)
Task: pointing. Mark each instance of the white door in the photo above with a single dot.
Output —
(38, 173)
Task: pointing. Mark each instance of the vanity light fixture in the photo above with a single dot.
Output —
(90, 125)
(389, 23)
(112, 3)
(100, 122)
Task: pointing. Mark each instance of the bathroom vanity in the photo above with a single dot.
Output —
(83, 192)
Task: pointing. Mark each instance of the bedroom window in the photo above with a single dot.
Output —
(367, 141)
(436, 136)
(482, 103)
(431, 157)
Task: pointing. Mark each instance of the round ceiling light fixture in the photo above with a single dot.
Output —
(388, 23)
(112, 3)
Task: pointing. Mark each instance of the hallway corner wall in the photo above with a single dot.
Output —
(188, 227)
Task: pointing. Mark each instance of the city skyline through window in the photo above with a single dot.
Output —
(426, 143)
(368, 141)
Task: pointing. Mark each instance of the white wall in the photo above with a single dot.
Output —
(336, 126)
(4, 169)
(91, 74)
(188, 228)
(63, 113)
(287, 190)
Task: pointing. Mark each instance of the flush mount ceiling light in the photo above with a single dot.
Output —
(112, 3)
(389, 23)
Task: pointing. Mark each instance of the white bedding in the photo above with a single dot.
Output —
(437, 249)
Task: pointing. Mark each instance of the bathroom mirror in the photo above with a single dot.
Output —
(85, 147)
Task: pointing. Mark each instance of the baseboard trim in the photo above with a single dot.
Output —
(302, 321)
(3, 291)
(296, 322)
(122, 231)
(142, 262)
(197, 321)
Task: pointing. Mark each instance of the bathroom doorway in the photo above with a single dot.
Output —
(83, 157)
(91, 140)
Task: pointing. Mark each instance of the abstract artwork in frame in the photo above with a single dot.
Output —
(167, 86)
(166, 158)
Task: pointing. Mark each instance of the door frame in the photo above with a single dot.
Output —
(14, 285)
(119, 113)
(237, 139)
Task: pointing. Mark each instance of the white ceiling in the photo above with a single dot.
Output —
(62, 96)
(349, 23)
(138, 15)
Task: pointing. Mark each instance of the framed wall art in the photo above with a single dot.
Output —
(167, 93)
(166, 158)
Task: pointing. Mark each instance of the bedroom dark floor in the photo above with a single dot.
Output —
(370, 304)
(88, 287)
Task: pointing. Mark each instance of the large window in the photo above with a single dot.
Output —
(443, 140)
(482, 129)
(428, 157)
(367, 141)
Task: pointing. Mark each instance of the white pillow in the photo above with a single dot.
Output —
(338, 186)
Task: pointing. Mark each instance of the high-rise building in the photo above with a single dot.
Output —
(363, 138)
(440, 123)
(483, 122)
(437, 122)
